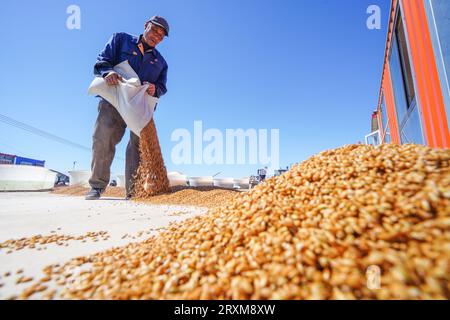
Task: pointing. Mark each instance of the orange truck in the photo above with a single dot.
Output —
(414, 98)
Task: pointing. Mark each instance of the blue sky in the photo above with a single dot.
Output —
(308, 68)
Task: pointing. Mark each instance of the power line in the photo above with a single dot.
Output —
(20, 125)
(41, 133)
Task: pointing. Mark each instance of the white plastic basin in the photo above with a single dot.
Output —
(80, 177)
(121, 180)
(25, 178)
(224, 183)
(177, 180)
(201, 181)
(242, 183)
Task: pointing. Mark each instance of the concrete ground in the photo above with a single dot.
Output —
(28, 214)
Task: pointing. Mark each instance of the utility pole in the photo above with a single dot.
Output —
(74, 165)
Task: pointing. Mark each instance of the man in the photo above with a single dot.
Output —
(151, 68)
(262, 174)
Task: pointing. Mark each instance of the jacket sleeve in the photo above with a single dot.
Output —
(107, 58)
(160, 84)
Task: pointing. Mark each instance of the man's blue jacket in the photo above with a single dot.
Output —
(149, 65)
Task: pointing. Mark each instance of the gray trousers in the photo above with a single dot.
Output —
(108, 132)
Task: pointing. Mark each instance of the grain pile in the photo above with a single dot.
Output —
(78, 190)
(151, 177)
(209, 197)
(311, 233)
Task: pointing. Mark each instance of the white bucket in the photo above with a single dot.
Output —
(242, 183)
(201, 181)
(224, 183)
(177, 180)
(25, 178)
(80, 177)
(121, 180)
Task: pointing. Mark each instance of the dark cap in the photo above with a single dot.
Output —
(160, 21)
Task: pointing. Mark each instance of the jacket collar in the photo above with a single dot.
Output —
(137, 41)
(142, 45)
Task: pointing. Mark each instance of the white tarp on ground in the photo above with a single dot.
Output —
(129, 97)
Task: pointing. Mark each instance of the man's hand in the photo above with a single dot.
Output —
(113, 78)
(151, 89)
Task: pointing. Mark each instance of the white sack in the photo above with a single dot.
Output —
(128, 97)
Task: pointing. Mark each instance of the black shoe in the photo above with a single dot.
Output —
(129, 196)
(94, 194)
